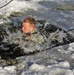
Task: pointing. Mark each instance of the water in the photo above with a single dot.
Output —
(13, 14)
(55, 12)
(33, 57)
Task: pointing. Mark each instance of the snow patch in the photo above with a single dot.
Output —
(37, 67)
(64, 64)
(19, 6)
(11, 69)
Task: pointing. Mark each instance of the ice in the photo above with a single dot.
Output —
(73, 71)
(54, 67)
(51, 0)
(11, 69)
(8, 70)
(36, 69)
(60, 71)
(19, 7)
(64, 64)
(72, 56)
(57, 61)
